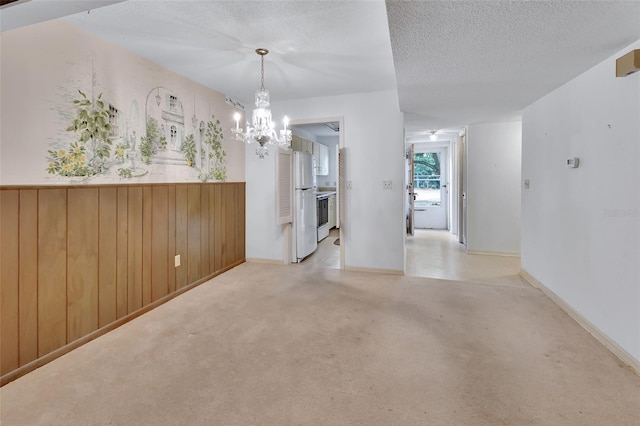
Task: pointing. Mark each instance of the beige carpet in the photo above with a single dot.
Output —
(299, 345)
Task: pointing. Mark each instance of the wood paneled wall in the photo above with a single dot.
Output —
(76, 260)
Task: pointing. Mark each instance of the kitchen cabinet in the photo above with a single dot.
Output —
(321, 154)
(332, 211)
(301, 144)
(295, 143)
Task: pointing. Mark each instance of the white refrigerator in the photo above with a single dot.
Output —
(305, 222)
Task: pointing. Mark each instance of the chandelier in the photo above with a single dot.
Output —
(262, 128)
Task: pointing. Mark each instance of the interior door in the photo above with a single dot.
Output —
(411, 195)
(431, 188)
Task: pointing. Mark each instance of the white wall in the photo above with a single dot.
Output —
(373, 230)
(493, 191)
(581, 226)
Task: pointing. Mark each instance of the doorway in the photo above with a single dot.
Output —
(430, 187)
(323, 139)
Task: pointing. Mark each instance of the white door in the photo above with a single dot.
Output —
(430, 188)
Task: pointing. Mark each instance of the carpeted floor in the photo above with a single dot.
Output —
(295, 345)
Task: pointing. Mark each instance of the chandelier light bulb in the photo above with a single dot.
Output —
(262, 129)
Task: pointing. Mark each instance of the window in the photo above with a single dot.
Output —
(113, 121)
(427, 179)
(173, 103)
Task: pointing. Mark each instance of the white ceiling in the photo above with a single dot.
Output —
(19, 13)
(316, 48)
(452, 62)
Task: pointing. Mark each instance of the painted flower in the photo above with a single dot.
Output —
(52, 168)
(120, 151)
(68, 167)
(62, 153)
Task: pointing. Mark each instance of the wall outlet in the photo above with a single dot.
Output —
(177, 260)
(349, 186)
(386, 184)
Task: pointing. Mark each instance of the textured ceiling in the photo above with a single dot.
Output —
(452, 62)
(462, 62)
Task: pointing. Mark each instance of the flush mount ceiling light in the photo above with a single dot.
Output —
(262, 129)
(433, 136)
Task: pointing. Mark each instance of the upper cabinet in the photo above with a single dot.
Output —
(320, 153)
(301, 144)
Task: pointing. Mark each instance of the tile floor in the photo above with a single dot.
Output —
(434, 254)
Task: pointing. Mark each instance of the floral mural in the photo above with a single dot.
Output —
(95, 113)
(88, 154)
(96, 125)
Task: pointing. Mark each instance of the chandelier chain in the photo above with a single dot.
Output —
(262, 72)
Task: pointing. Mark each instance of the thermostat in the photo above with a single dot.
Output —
(573, 163)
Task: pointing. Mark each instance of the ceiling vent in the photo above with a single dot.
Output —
(334, 125)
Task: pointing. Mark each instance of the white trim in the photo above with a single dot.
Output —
(612, 346)
(493, 253)
(269, 261)
(374, 270)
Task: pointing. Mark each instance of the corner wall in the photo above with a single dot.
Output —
(493, 187)
(581, 227)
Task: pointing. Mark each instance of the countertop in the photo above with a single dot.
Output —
(324, 194)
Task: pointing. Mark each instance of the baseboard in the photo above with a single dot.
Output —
(493, 253)
(616, 349)
(269, 261)
(374, 270)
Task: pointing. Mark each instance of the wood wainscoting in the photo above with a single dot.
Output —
(79, 261)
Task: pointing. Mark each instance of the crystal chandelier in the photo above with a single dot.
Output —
(262, 128)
